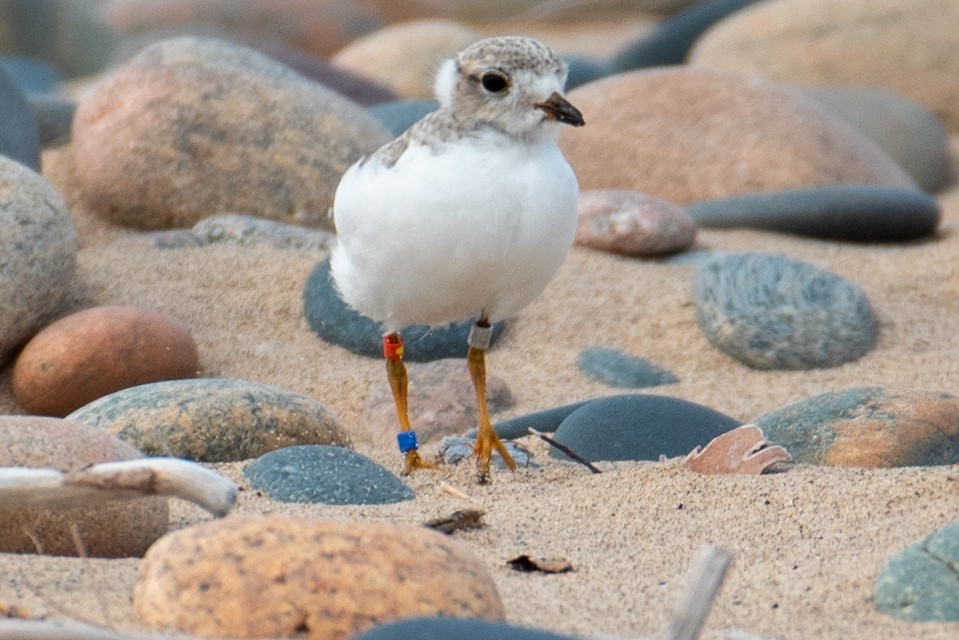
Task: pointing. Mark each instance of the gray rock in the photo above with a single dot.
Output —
(400, 115)
(19, 137)
(325, 475)
(54, 119)
(455, 449)
(617, 369)
(191, 128)
(919, 584)
(212, 419)
(38, 248)
(245, 230)
(774, 312)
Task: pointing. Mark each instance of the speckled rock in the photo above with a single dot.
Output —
(774, 312)
(244, 230)
(260, 577)
(907, 48)
(442, 402)
(615, 368)
(319, 27)
(448, 628)
(109, 530)
(326, 475)
(405, 56)
(335, 322)
(868, 427)
(687, 134)
(919, 583)
(94, 352)
(861, 213)
(638, 427)
(191, 128)
(19, 136)
(38, 248)
(212, 419)
(455, 449)
(632, 223)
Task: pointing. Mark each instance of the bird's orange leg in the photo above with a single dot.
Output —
(399, 384)
(486, 438)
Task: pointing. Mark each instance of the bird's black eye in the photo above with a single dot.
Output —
(494, 82)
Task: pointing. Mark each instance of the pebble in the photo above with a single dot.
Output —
(632, 223)
(191, 128)
(94, 352)
(639, 427)
(669, 41)
(868, 427)
(212, 419)
(907, 50)
(904, 129)
(442, 402)
(405, 56)
(455, 449)
(19, 135)
(422, 628)
(859, 213)
(615, 368)
(400, 115)
(317, 28)
(774, 312)
(919, 583)
(338, 324)
(38, 247)
(685, 135)
(320, 579)
(117, 529)
(325, 475)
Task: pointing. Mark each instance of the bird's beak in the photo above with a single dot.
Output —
(558, 108)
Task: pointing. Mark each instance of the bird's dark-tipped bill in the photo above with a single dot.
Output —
(558, 108)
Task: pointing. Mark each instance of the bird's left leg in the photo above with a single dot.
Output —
(486, 438)
(399, 384)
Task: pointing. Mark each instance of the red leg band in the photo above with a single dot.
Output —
(393, 347)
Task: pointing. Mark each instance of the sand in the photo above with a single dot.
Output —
(808, 543)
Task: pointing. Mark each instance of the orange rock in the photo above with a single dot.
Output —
(283, 577)
(95, 352)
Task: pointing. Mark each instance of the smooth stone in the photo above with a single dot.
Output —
(94, 352)
(212, 419)
(400, 115)
(686, 135)
(639, 427)
(907, 131)
(774, 312)
(30, 74)
(584, 69)
(545, 421)
(861, 213)
(307, 577)
(332, 320)
(455, 449)
(38, 247)
(19, 135)
(868, 427)
(669, 41)
(191, 128)
(448, 628)
(919, 583)
(325, 475)
(632, 223)
(405, 56)
(317, 27)
(615, 368)
(442, 402)
(54, 119)
(248, 230)
(118, 529)
(909, 50)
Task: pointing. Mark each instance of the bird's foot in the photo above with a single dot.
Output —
(415, 461)
(486, 442)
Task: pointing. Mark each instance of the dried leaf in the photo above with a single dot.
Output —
(464, 519)
(545, 565)
(744, 450)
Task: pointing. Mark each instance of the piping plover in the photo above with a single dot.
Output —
(468, 213)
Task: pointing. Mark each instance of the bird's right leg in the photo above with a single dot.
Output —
(399, 384)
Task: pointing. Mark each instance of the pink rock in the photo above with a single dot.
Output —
(744, 450)
(632, 223)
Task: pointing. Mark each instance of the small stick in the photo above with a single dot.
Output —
(453, 491)
(704, 579)
(24, 488)
(562, 447)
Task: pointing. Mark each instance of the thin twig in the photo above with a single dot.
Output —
(704, 579)
(562, 447)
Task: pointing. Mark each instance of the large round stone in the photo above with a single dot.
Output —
(773, 312)
(38, 248)
(919, 583)
(190, 128)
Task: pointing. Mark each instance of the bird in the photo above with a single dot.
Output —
(467, 214)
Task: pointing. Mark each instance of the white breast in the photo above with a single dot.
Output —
(439, 237)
